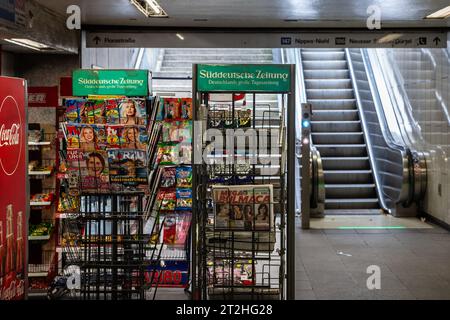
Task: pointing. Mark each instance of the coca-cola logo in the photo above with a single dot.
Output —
(11, 135)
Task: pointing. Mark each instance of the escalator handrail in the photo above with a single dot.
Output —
(365, 132)
(438, 93)
(379, 106)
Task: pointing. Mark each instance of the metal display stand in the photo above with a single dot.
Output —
(104, 239)
(243, 261)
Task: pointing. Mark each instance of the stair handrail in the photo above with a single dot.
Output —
(367, 139)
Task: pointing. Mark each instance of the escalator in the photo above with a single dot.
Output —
(337, 133)
(365, 170)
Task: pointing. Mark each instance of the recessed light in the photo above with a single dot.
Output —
(150, 8)
(27, 43)
(440, 14)
(180, 36)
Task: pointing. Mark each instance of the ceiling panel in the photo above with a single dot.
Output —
(257, 13)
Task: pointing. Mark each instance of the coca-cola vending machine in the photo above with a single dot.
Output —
(13, 188)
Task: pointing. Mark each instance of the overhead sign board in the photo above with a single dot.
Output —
(367, 39)
(110, 82)
(244, 78)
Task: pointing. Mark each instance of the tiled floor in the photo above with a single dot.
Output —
(332, 263)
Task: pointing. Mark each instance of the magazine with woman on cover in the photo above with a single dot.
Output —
(243, 207)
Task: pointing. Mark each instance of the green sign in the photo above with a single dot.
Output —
(110, 82)
(241, 78)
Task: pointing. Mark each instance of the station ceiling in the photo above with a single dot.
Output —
(258, 13)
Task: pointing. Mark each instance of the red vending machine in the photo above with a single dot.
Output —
(13, 189)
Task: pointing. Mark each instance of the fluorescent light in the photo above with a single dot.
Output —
(155, 6)
(150, 8)
(180, 36)
(390, 37)
(28, 44)
(440, 14)
(139, 6)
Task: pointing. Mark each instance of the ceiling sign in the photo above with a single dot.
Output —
(367, 39)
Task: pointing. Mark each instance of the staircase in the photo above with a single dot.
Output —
(337, 133)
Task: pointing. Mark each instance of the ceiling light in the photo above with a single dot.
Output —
(155, 6)
(30, 44)
(150, 8)
(390, 37)
(440, 14)
(180, 36)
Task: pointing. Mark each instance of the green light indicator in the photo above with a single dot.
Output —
(362, 227)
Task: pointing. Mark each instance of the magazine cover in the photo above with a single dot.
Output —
(75, 158)
(244, 207)
(170, 229)
(133, 111)
(112, 111)
(172, 108)
(101, 135)
(114, 137)
(186, 108)
(225, 273)
(88, 137)
(134, 137)
(95, 178)
(73, 136)
(128, 169)
(183, 225)
(170, 132)
(86, 112)
(185, 131)
(73, 107)
(99, 111)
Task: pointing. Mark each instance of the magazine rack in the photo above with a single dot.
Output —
(104, 192)
(243, 197)
(119, 234)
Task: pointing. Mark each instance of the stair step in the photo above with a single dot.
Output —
(345, 163)
(334, 55)
(359, 203)
(335, 115)
(326, 74)
(328, 84)
(355, 212)
(342, 191)
(342, 150)
(336, 126)
(329, 93)
(332, 104)
(348, 176)
(337, 137)
(324, 64)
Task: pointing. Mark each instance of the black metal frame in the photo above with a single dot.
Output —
(202, 213)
